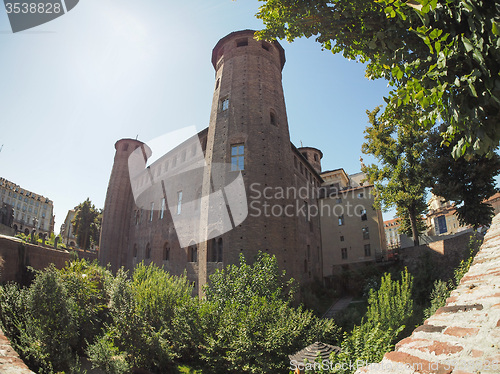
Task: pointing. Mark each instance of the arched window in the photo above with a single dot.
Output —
(212, 251)
(166, 252)
(272, 118)
(134, 251)
(219, 250)
(148, 251)
(193, 253)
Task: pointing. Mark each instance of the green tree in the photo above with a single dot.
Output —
(444, 54)
(397, 140)
(466, 182)
(87, 224)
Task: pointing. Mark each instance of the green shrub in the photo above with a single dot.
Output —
(250, 324)
(391, 305)
(154, 321)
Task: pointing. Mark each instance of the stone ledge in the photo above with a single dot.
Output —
(10, 363)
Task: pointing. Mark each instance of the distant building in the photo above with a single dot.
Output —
(392, 235)
(351, 229)
(67, 234)
(31, 210)
(494, 201)
(442, 218)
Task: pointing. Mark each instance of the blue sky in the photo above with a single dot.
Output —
(113, 69)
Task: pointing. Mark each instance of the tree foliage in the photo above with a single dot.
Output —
(87, 224)
(150, 320)
(465, 182)
(443, 54)
(391, 305)
(50, 322)
(251, 326)
(396, 139)
(389, 309)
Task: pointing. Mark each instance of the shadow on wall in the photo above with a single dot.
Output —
(444, 255)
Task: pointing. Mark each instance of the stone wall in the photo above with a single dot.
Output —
(16, 256)
(6, 230)
(462, 337)
(443, 255)
(10, 363)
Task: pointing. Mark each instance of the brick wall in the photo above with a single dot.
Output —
(462, 337)
(15, 256)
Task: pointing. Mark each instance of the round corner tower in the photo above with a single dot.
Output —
(313, 156)
(249, 131)
(118, 208)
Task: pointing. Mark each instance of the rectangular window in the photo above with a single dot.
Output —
(237, 157)
(368, 251)
(179, 202)
(366, 233)
(341, 238)
(242, 42)
(341, 220)
(162, 210)
(151, 211)
(440, 223)
(363, 215)
(344, 253)
(224, 104)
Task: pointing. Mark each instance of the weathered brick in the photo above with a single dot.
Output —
(418, 364)
(476, 353)
(430, 328)
(459, 308)
(461, 331)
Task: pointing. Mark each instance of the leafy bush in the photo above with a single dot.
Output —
(50, 322)
(154, 321)
(250, 324)
(391, 306)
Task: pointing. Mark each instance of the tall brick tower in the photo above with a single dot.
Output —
(118, 208)
(249, 130)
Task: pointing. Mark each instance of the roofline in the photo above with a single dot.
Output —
(296, 150)
(314, 149)
(245, 32)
